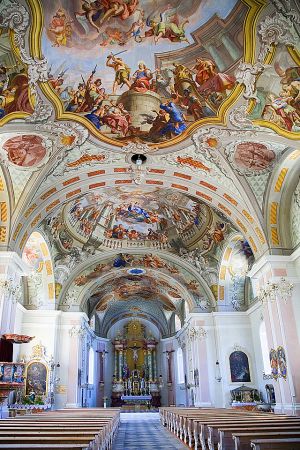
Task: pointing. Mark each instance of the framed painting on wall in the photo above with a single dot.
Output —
(36, 378)
(239, 367)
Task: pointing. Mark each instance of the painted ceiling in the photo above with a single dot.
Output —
(141, 127)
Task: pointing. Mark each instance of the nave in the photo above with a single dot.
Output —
(144, 431)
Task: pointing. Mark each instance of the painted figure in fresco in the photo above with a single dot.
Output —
(122, 260)
(98, 12)
(211, 81)
(77, 100)
(141, 78)
(113, 36)
(136, 28)
(163, 83)
(25, 150)
(274, 363)
(117, 118)
(167, 26)
(282, 107)
(175, 125)
(282, 361)
(121, 9)
(61, 27)
(16, 96)
(91, 11)
(122, 72)
(218, 232)
(253, 155)
(94, 93)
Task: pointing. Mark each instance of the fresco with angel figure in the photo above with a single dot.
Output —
(143, 70)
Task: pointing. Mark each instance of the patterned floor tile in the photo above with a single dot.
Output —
(143, 431)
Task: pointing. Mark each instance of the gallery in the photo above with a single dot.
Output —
(150, 224)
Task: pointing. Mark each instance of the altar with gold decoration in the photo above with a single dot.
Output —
(135, 380)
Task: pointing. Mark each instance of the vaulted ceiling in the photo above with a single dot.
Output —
(148, 136)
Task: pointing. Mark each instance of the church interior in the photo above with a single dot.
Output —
(150, 224)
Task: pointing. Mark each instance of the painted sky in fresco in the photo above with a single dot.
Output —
(85, 51)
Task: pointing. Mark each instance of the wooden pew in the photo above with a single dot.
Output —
(76, 428)
(225, 440)
(242, 441)
(276, 444)
(209, 427)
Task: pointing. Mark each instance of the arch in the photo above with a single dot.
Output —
(41, 285)
(85, 287)
(240, 212)
(278, 200)
(237, 257)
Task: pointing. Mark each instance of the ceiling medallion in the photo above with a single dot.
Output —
(136, 271)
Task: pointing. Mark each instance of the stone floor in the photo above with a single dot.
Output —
(144, 431)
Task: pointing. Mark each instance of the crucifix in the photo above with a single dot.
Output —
(135, 354)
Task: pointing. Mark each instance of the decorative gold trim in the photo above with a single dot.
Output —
(254, 8)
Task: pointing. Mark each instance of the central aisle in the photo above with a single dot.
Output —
(144, 431)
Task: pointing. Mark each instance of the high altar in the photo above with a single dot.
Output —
(135, 378)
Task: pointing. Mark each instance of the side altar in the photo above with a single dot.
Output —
(135, 380)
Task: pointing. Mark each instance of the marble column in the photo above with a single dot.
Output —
(150, 364)
(120, 364)
(116, 356)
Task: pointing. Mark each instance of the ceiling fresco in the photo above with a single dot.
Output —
(15, 94)
(203, 93)
(134, 215)
(153, 218)
(142, 70)
(278, 92)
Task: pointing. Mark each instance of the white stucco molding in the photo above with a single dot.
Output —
(14, 263)
(274, 260)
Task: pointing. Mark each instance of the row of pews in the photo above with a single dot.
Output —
(230, 429)
(65, 429)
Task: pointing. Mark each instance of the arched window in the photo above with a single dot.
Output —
(180, 369)
(264, 347)
(91, 365)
